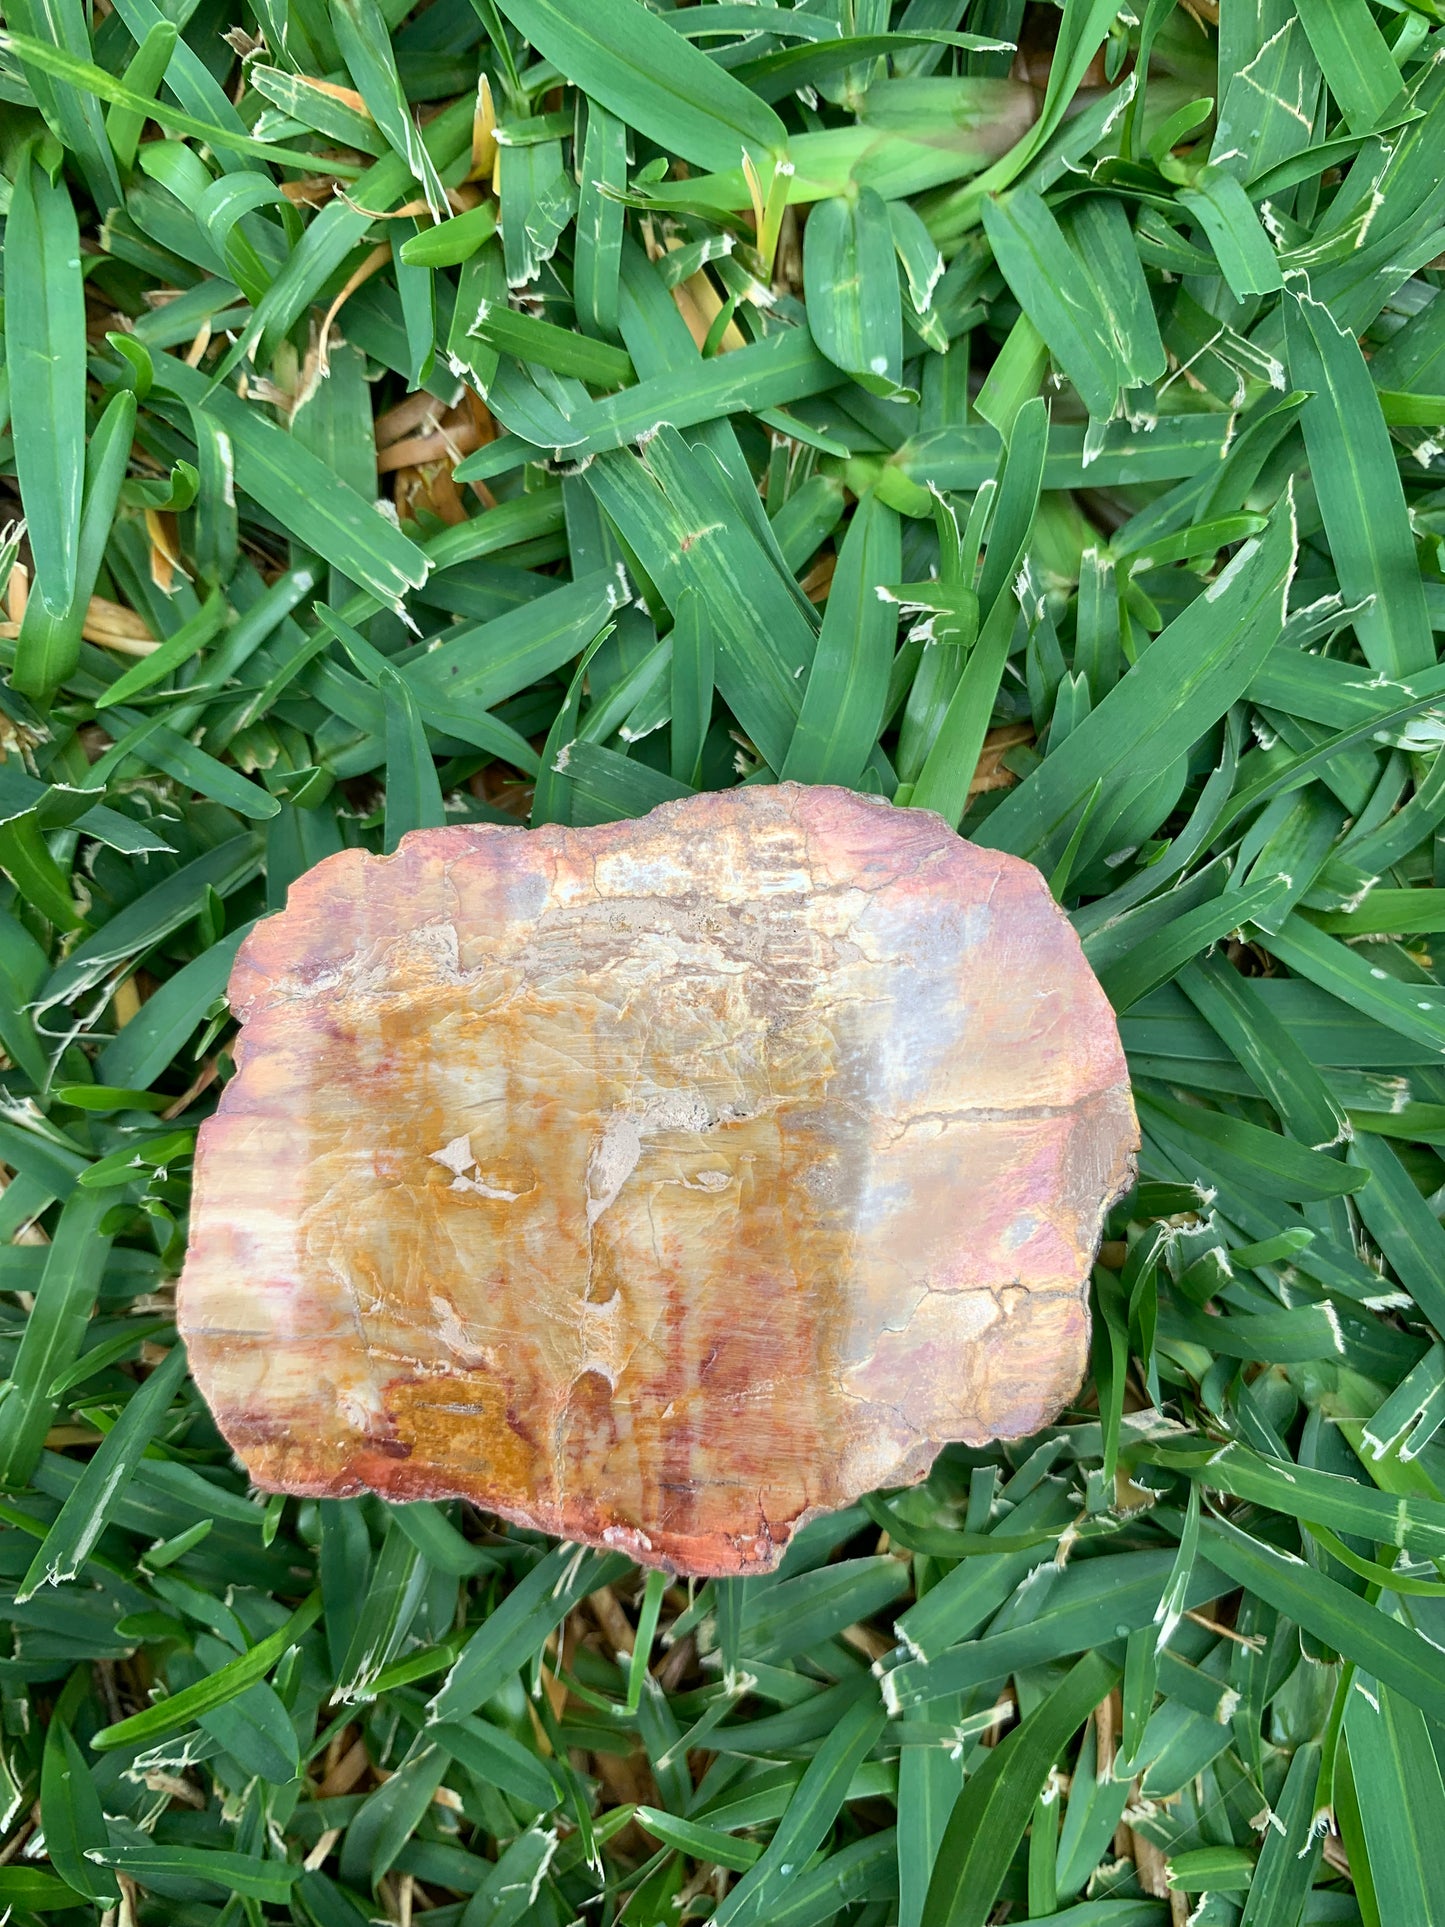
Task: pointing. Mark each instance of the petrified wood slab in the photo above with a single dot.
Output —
(655, 1184)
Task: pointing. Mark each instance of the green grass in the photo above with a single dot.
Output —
(1130, 391)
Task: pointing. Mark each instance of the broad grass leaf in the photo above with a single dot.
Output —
(45, 355)
(834, 738)
(1347, 975)
(944, 780)
(391, 1814)
(54, 1335)
(228, 1873)
(1081, 31)
(504, 1642)
(153, 915)
(509, 1890)
(1290, 1850)
(361, 33)
(1359, 488)
(174, 1714)
(1397, 1783)
(73, 1818)
(1182, 684)
(682, 528)
(47, 649)
(1402, 1224)
(303, 494)
(1355, 58)
(1095, 1602)
(597, 248)
(1269, 96)
(855, 306)
(209, 124)
(811, 1811)
(1029, 244)
(990, 1815)
(652, 79)
(86, 1512)
(35, 1890)
(1359, 1631)
(1241, 246)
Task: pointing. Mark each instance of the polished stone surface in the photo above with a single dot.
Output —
(660, 1183)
